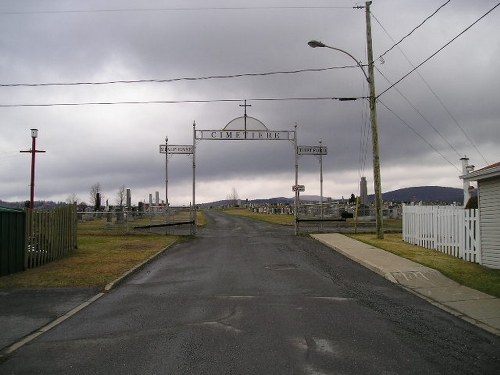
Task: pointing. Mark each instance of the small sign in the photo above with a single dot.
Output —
(311, 150)
(177, 149)
(298, 188)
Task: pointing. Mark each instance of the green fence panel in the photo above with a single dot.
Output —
(12, 240)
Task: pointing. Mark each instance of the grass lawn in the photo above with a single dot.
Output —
(102, 256)
(290, 219)
(473, 275)
(268, 218)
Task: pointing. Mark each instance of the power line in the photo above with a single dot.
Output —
(430, 88)
(439, 50)
(364, 139)
(170, 80)
(433, 93)
(201, 101)
(418, 134)
(421, 115)
(412, 31)
(193, 9)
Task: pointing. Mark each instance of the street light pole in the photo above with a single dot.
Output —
(33, 151)
(321, 182)
(166, 176)
(377, 181)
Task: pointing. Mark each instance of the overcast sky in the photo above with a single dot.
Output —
(446, 109)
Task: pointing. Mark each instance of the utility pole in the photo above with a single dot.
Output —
(373, 119)
(33, 151)
(166, 176)
(296, 199)
(195, 220)
(321, 182)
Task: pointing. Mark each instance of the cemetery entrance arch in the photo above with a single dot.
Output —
(244, 128)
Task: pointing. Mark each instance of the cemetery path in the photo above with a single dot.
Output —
(247, 297)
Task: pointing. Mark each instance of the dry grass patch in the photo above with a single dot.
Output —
(102, 256)
(469, 274)
(268, 218)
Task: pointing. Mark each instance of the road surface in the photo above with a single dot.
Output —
(247, 297)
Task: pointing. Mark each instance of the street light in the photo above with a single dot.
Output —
(166, 175)
(317, 44)
(321, 182)
(373, 118)
(33, 151)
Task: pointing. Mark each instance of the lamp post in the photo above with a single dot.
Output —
(166, 176)
(33, 151)
(321, 182)
(373, 119)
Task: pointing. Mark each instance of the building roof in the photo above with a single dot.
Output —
(489, 171)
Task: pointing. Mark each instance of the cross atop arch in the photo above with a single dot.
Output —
(245, 105)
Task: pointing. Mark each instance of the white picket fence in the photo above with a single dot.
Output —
(449, 229)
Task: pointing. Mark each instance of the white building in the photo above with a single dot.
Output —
(488, 183)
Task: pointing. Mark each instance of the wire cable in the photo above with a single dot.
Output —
(193, 9)
(156, 80)
(431, 90)
(200, 101)
(421, 114)
(439, 50)
(418, 134)
(364, 139)
(412, 31)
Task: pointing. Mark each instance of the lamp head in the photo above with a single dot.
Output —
(315, 44)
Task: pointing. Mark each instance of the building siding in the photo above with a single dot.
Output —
(489, 204)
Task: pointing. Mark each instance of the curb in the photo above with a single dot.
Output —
(389, 276)
(27, 339)
(364, 263)
(136, 268)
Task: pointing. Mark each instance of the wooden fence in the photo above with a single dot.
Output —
(448, 229)
(50, 235)
(12, 240)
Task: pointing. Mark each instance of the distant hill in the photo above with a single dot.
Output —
(425, 194)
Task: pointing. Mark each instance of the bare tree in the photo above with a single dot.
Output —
(121, 195)
(72, 199)
(95, 195)
(233, 198)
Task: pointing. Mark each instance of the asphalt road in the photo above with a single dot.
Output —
(250, 298)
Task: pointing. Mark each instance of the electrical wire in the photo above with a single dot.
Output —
(439, 50)
(421, 114)
(193, 9)
(418, 134)
(412, 31)
(170, 80)
(431, 90)
(201, 101)
(364, 139)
